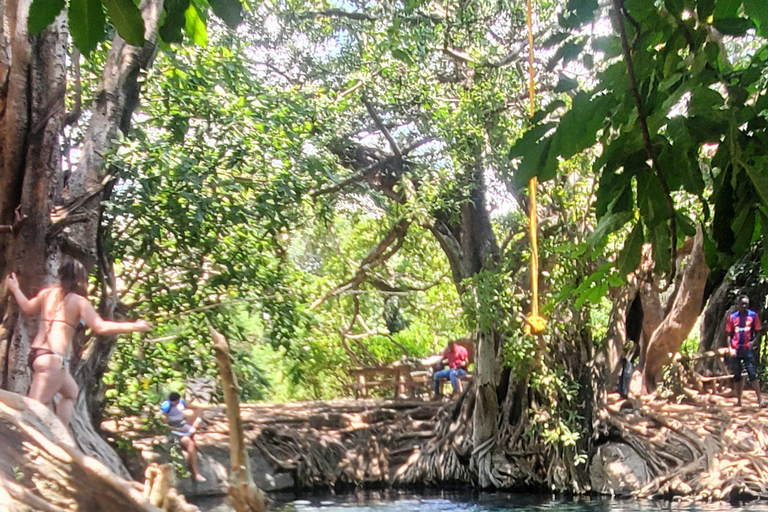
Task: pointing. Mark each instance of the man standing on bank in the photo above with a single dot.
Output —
(743, 330)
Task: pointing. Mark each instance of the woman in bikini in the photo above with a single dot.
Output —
(61, 307)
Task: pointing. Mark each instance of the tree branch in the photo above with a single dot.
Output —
(647, 136)
(363, 173)
(382, 127)
(379, 254)
(337, 13)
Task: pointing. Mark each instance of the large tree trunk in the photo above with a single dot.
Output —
(33, 95)
(34, 74)
(670, 334)
(116, 98)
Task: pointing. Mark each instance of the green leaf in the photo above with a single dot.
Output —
(651, 199)
(527, 143)
(629, 257)
(733, 26)
(705, 8)
(126, 18)
(578, 127)
(86, 24)
(565, 84)
(674, 6)
(555, 39)
(174, 20)
(42, 13)
(758, 174)
(608, 224)
(534, 164)
(639, 9)
(402, 55)
(703, 99)
(229, 11)
(567, 52)
(195, 27)
(726, 8)
(551, 107)
(758, 11)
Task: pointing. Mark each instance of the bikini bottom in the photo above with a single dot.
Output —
(37, 352)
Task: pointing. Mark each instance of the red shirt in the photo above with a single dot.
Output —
(741, 329)
(457, 358)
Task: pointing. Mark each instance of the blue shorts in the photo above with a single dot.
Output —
(744, 358)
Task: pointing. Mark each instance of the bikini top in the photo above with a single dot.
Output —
(60, 321)
(64, 321)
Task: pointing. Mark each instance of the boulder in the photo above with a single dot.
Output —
(214, 464)
(618, 470)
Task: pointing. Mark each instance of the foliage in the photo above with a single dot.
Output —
(88, 24)
(698, 71)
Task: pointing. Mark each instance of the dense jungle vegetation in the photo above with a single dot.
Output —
(334, 184)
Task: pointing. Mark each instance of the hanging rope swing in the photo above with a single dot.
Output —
(535, 324)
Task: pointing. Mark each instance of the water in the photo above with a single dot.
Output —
(395, 501)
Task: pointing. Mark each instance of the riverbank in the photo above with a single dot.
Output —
(701, 449)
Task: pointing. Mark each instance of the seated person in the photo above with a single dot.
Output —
(183, 423)
(457, 359)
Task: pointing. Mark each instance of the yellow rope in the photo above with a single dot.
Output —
(536, 324)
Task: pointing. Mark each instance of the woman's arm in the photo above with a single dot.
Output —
(107, 327)
(28, 306)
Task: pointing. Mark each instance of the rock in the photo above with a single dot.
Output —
(329, 420)
(618, 470)
(213, 461)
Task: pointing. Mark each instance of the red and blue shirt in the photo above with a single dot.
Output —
(741, 329)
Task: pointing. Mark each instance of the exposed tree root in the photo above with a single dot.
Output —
(42, 469)
(703, 450)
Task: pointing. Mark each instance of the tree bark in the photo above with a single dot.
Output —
(245, 495)
(41, 469)
(669, 336)
(30, 154)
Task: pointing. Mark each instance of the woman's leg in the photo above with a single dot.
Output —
(46, 379)
(68, 396)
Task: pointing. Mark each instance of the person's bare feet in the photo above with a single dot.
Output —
(200, 478)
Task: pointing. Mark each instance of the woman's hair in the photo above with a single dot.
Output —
(72, 276)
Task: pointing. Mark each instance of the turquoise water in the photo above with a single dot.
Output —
(392, 501)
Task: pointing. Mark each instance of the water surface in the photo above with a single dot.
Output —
(395, 501)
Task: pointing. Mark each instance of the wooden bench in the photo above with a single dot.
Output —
(419, 381)
(707, 383)
(397, 376)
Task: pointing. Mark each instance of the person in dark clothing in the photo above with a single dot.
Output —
(743, 330)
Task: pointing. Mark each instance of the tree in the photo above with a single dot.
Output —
(64, 209)
(679, 114)
(420, 125)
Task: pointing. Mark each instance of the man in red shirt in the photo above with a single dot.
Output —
(742, 330)
(457, 359)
